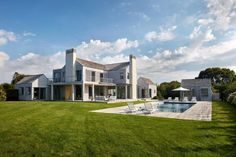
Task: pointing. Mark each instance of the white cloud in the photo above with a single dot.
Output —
(163, 35)
(6, 36)
(223, 12)
(25, 34)
(142, 15)
(198, 35)
(97, 47)
(205, 21)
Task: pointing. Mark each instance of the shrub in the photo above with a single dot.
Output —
(232, 98)
(2, 94)
(12, 95)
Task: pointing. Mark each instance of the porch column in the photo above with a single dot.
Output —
(73, 92)
(116, 91)
(93, 98)
(126, 92)
(52, 92)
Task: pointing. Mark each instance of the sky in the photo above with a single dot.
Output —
(172, 40)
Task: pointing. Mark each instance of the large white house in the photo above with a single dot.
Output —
(85, 80)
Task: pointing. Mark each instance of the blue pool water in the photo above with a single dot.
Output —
(173, 107)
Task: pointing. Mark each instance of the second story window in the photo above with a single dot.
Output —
(79, 75)
(101, 77)
(93, 76)
(57, 76)
(121, 75)
(128, 76)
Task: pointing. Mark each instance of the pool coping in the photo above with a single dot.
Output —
(201, 111)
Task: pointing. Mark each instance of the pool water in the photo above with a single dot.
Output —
(173, 107)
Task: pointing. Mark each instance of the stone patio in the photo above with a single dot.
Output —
(200, 111)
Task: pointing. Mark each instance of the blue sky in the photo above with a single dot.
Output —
(171, 39)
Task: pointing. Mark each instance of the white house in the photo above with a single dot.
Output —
(85, 80)
(146, 88)
(33, 87)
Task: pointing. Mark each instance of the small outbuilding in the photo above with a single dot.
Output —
(199, 88)
(146, 88)
(33, 87)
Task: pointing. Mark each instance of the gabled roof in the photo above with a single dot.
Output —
(29, 78)
(196, 82)
(146, 80)
(95, 65)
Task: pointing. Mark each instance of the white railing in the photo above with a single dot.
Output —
(106, 80)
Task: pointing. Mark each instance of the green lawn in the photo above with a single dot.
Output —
(68, 129)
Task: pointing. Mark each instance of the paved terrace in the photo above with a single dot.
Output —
(200, 111)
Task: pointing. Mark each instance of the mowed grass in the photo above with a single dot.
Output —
(69, 129)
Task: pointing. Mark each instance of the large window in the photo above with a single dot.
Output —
(204, 92)
(101, 77)
(22, 90)
(79, 75)
(121, 75)
(57, 76)
(93, 76)
(28, 90)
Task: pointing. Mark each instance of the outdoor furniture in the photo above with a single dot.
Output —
(112, 98)
(148, 108)
(194, 99)
(176, 99)
(101, 98)
(131, 108)
(185, 99)
(181, 91)
(169, 99)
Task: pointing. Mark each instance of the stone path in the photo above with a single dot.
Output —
(200, 111)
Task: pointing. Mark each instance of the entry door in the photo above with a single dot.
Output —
(67, 94)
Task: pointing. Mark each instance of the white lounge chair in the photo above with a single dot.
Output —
(176, 99)
(169, 99)
(194, 99)
(185, 99)
(148, 108)
(112, 98)
(132, 108)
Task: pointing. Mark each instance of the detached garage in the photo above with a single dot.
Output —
(33, 87)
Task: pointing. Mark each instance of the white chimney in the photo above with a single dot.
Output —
(133, 76)
(70, 73)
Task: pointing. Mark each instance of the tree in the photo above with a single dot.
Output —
(218, 75)
(166, 88)
(17, 77)
(2, 94)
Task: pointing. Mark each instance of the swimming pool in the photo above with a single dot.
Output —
(174, 107)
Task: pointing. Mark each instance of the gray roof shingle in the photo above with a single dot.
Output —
(29, 78)
(95, 65)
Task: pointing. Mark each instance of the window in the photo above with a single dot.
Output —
(101, 77)
(57, 76)
(28, 90)
(93, 76)
(90, 91)
(121, 75)
(79, 75)
(22, 90)
(204, 92)
(128, 76)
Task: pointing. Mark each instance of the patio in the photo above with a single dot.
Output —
(200, 111)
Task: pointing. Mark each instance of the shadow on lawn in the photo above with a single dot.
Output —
(223, 126)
